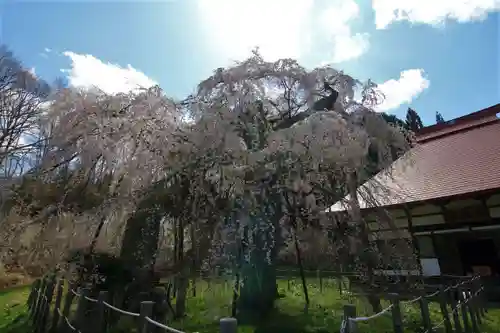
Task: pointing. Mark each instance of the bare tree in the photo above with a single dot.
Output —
(21, 104)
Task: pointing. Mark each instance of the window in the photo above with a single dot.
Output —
(426, 247)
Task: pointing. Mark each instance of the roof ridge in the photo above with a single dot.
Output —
(457, 129)
(470, 120)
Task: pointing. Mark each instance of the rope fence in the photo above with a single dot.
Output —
(65, 321)
(462, 306)
(466, 298)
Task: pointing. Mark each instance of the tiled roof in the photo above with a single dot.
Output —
(459, 157)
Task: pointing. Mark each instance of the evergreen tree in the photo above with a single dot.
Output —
(413, 120)
(439, 118)
(392, 119)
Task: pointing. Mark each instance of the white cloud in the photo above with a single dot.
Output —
(431, 12)
(280, 28)
(410, 84)
(87, 71)
(336, 20)
(349, 47)
(45, 53)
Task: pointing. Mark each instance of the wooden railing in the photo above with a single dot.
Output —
(40, 302)
(467, 309)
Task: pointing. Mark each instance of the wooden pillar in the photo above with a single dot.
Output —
(416, 247)
(397, 321)
(437, 251)
(484, 200)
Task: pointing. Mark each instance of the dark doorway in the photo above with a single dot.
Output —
(479, 252)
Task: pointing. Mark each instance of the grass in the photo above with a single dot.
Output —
(324, 313)
(13, 310)
(213, 301)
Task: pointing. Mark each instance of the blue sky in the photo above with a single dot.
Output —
(431, 55)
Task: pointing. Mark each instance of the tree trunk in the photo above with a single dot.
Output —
(140, 240)
(258, 290)
(301, 268)
(97, 233)
(182, 288)
(236, 288)
(180, 279)
(258, 272)
(140, 243)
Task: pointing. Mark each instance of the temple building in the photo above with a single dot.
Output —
(444, 198)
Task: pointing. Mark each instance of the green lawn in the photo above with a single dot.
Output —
(213, 301)
(324, 313)
(13, 310)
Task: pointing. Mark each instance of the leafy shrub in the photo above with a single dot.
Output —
(98, 271)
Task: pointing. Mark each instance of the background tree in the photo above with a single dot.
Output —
(22, 101)
(22, 95)
(85, 151)
(439, 118)
(413, 120)
(392, 119)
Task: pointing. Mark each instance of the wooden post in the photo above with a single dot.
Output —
(443, 304)
(30, 297)
(414, 240)
(38, 298)
(474, 307)
(475, 304)
(39, 301)
(228, 325)
(39, 305)
(472, 311)
(33, 295)
(194, 284)
(80, 311)
(463, 307)
(40, 321)
(454, 305)
(57, 306)
(160, 307)
(318, 274)
(68, 300)
(102, 322)
(424, 310)
(397, 322)
(479, 298)
(350, 312)
(44, 312)
(146, 311)
(483, 298)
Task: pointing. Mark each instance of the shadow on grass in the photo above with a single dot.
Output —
(491, 322)
(283, 323)
(13, 289)
(279, 321)
(19, 324)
